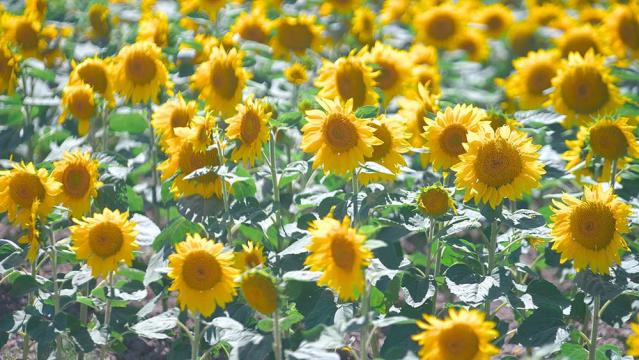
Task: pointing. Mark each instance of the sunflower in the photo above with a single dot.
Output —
(532, 77)
(633, 340)
(338, 251)
(622, 26)
(202, 45)
(260, 291)
(340, 6)
(474, 44)
(348, 78)
(296, 74)
(498, 119)
(296, 35)
(32, 235)
(588, 231)
(421, 54)
(104, 240)
(607, 138)
(140, 72)
(253, 26)
(250, 127)
(498, 164)
(37, 8)
(446, 134)
(9, 68)
(414, 110)
(154, 27)
(174, 113)
(592, 16)
(78, 175)
(581, 39)
(364, 26)
(200, 132)
(392, 134)
(464, 335)
(251, 255)
(523, 38)
(96, 73)
(23, 185)
(435, 201)
(584, 88)
(550, 15)
(339, 140)
(495, 18)
(24, 32)
(99, 22)
(429, 77)
(439, 26)
(78, 101)
(203, 275)
(395, 10)
(220, 80)
(210, 7)
(394, 73)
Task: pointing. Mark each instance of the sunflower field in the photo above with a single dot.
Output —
(305, 179)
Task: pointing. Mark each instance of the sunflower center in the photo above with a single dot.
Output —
(192, 160)
(97, 18)
(608, 142)
(296, 37)
(592, 225)
(387, 77)
(381, 150)
(76, 181)
(95, 76)
(498, 163)
(579, 43)
(434, 202)
(342, 252)
(494, 23)
(180, 117)
(201, 270)
(469, 46)
(629, 31)
(24, 189)
(459, 342)
(81, 105)
(452, 139)
(585, 92)
(105, 239)
(540, 79)
(351, 84)
(140, 68)
(254, 33)
(250, 127)
(523, 41)
(340, 133)
(252, 260)
(26, 35)
(442, 27)
(224, 80)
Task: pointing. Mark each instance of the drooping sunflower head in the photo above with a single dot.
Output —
(364, 26)
(175, 113)
(220, 80)
(523, 38)
(296, 35)
(464, 335)
(260, 291)
(154, 27)
(97, 73)
(347, 78)
(22, 187)
(78, 174)
(394, 69)
(253, 26)
(104, 241)
(249, 126)
(496, 19)
(338, 251)
(633, 340)
(414, 109)
(532, 77)
(339, 140)
(622, 27)
(474, 44)
(391, 132)
(202, 274)
(251, 256)
(584, 88)
(209, 7)
(589, 231)
(439, 26)
(498, 164)
(99, 21)
(435, 201)
(581, 39)
(9, 67)
(78, 101)
(140, 72)
(24, 32)
(446, 134)
(32, 235)
(296, 74)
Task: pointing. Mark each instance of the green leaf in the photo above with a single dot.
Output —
(155, 327)
(545, 294)
(540, 328)
(302, 275)
(524, 219)
(572, 352)
(252, 233)
(42, 74)
(367, 112)
(468, 285)
(132, 122)
(288, 119)
(175, 233)
(23, 285)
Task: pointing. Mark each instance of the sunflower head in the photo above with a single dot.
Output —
(394, 10)
(429, 77)
(580, 39)
(99, 21)
(154, 27)
(338, 251)
(496, 19)
(622, 26)
(463, 335)
(523, 38)
(364, 26)
(32, 235)
(209, 7)
(296, 35)
(9, 67)
(421, 54)
(104, 241)
(435, 201)
(24, 32)
(414, 109)
(588, 231)
(37, 8)
(394, 69)
(173, 114)
(633, 340)
(340, 6)
(260, 291)
(96, 73)
(202, 274)
(439, 26)
(474, 44)
(532, 77)
(251, 255)
(592, 16)
(140, 72)
(78, 101)
(296, 74)
(253, 26)
(391, 133)
(78, 175)
(250, 127)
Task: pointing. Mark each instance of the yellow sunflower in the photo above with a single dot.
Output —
(498, 119)
(584, 88)
(38, 8)
(474, 44)
(445, 135)
(99, 22)
(78, 174)
(588, 231)
(338, 251)
(429, 77)
(210, 7)
(203, 275)
(523, 38)
(24, 32)
(498, 164)
(296, 74)
(435, 201)
(250, 127)
(414, 109)
(253, 26)
(633, 340)
(363, 26)
(550, 15)
(154, 27)
(532, 77)
(140, 72)
(220, 80)
(339, 140)
(607, 138)
(622, 26)
(348, 78)
(581, 39)
(394, 73)
(495, 18)
(592, 15)
(9, 68)
(421, 54)
(251, 255)
(439, 26)
(78, 101)
(340, 6)
(296, 35)
(174, 113)
(32, 235)
(96, 73)
(260, 291)
(202, 45)
(392, 134)
(395, 10)
(104, 241)
(464, 335)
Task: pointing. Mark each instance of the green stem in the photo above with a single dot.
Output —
(296, 90)
(439, 249)
(355, 193)
(195, 344)
(592, 353)
(613, 175)
(154, 172)
(276, 188)
(225, 192)
(107, 314)
(492, 247)
(84, 314)
(277, 335)
(363, 341)
(105, 124)
(27, 339)
(56, 289)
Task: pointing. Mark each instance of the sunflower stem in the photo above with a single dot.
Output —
(613, 175)
(363, 341)
(27, 339)
(355, 193)
(27, 111)
(277, 335)
(56, 289)
(225, 192)
(592, 353)
(195, 344)
(439, 249)
(107, 314)
(154, 172)
(492, 247)
(105, 125)
(272, 163)
(296, 91)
